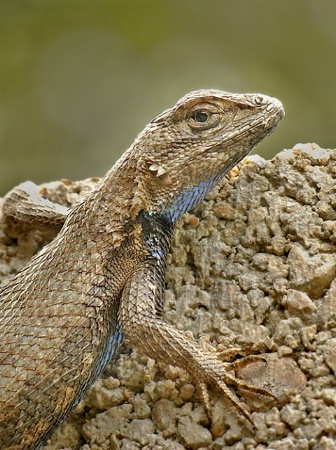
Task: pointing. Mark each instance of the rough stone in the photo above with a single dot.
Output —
(253, 267)
(194, 435)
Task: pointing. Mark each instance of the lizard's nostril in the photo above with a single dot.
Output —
(259, 99)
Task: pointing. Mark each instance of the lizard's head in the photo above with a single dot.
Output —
(187, 149)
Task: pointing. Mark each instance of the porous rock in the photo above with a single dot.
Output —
(253, 267)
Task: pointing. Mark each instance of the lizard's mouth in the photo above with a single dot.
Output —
(279, 114)
(264, 124)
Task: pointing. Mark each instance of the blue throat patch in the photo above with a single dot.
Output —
(189, 198)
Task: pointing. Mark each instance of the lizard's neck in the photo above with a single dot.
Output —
(187, 199)
(113, 205)
(130, 188)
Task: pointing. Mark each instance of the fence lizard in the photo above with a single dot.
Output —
(63, 316)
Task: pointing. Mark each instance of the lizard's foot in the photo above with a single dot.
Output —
(222, 379)
(228, 354)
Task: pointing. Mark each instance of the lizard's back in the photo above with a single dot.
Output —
(55, 337)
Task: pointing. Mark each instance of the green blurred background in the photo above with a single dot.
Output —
(80, 78)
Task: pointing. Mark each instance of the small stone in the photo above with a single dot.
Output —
(277, 245)
(284, 350)
(312, 275)
(329, 350)
(223, 210)
(234, 433)
(218, 418)
(326, 443)
(329, 396)
(292, 416)
(165, 415)
(165, 389)
(106, 424)
(193, 221)
(111, 383)
(299, 304)
(141, 408)
(326, 313)
(193, 434)
(139, 430)
(103, 398)
(187, 392)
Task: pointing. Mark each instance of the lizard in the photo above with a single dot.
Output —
(102, 277)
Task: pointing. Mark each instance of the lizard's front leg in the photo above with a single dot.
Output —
(147, 331)
(25, 209)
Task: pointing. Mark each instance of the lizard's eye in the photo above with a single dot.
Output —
(201, 116)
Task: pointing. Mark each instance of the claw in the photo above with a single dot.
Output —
(255, 389)
(243, 362)
(225, 381)
(228, 395)
(231, 398)
(205, 344)
(228, 353)
(204, 394)
(233, 381)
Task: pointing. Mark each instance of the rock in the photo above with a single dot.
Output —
(194, 435)
(254, 267)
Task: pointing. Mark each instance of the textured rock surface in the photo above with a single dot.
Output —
(254, 267)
